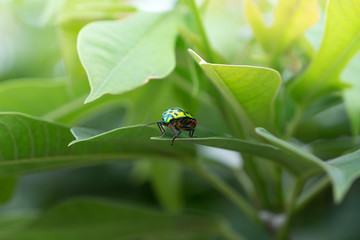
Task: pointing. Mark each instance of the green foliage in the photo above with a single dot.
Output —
(279, 105)
(340, 43)
(137, 49)
(248, 89)
(291, 19)
(117, 221)
(351, 96)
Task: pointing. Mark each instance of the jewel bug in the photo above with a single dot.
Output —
(178, 120)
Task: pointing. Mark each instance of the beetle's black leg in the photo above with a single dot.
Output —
(191, 132)
(162, 130)
(176, 132)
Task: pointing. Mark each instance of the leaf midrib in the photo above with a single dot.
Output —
(79, 157)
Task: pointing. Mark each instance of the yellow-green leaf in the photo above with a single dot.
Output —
(340, 43)
(249, 90)
(291, 19)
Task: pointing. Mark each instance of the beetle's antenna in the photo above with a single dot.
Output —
(149, 124)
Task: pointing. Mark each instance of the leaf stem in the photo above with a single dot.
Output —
(224, 188)
(311, 192)
(292, 126)
(203, 34)
(230, 234)
(253, 169)
(291, 204)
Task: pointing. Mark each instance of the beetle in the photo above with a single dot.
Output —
(178, 119)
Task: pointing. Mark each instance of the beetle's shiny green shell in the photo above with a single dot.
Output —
(175, 113)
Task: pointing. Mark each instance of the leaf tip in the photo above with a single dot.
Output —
(196, 57)
(90, 98)
(261, 131)
(75, 140)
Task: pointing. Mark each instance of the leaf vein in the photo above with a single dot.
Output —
(16, 151)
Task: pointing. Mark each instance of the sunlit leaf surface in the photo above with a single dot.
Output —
(248, 88)
(340, 43)
(291, 19)
(122, 55)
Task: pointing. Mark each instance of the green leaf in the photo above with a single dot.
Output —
(249, 90)
(15, 221)
(299, 156)
(166, 179)
(122, 55)
(291, 19)
(30, 144)
(266, 151)
(182, 147)
(351, 95)
(99, 219)
(27, 95)
(74, 16)
(343, 171)
(7, 185)
(131, 139)
(340, 43)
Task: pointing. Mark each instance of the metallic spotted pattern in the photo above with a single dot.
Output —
(175, 113)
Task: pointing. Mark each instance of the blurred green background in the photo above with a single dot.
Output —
(30, 47)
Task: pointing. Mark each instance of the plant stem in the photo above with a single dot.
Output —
(224, 188)
(292, 126)
(291, 204)
(203, 34)
(310, 193)
(194, 77)
(279, 185)
(245, 181)
(230, 234)
(253, 169)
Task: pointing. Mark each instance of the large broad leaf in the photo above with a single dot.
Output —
(95, 219)
(291, 19)
(74, 15)
(248, 89)
(130, 139)
(30, 144)
(183, 145)
(340, 43)
(122, 55)
(342, 171)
